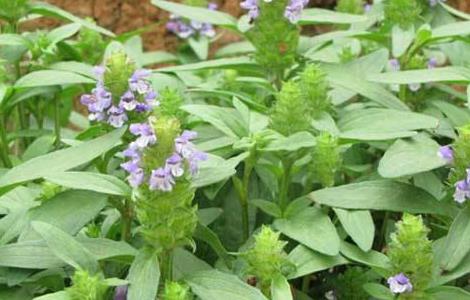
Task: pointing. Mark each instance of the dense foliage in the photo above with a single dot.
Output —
(286, 165)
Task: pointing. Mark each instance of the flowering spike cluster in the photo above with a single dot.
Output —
(266, 258)
(410, 253)
(458, 155)
(314, 88)
(326, 159)
(292, 11)
(399, 284)
(402, 12)
(86, 286)
(162, 178)
(184, 28)
(139, 98)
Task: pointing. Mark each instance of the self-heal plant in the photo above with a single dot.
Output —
(121, 93)
(411, 258)
(266, 258)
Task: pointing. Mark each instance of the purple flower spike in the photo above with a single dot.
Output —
(400, 284)
(131, 166)
(161, 180)
(121, 293)
(137, 82)
(446, 153)
(252, 7)
(175, 164)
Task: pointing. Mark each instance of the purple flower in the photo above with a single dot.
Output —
(399, 284)
(145, 133)
(414, 87)
(161, 180)
(128, 101)
(294, 10)
(98, 101)
(394, 64)
(446, 153)
(136, 178)
(175, 165)
(137, 82)
(132, 151)
(183, 145)
(432, 63)
(212, 6)
(131, 166)
(116, 116)
(462, 189)
(99, 71)
(194, 159)
(367, 7)
(121, 293)
(252, 7)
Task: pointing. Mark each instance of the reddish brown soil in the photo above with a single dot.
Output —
(126, 15)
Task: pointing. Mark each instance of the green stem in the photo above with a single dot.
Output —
(284, 187)
(166, 261)
(57, 121)
(127, 215)
(383, 230)
(4, 144)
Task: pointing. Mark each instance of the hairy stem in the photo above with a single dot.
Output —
(127, 214)
(284, 186)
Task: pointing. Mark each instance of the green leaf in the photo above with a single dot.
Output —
(49, 10)
(268, 207)
(457, 247)
(66, 247)
(9, 39)
(205, 234)
(359, 225)
(97, 182)
(61, 33)
(156, 57)
(370, 258)
(216, 169)
(381, 195)
(455, 12)
(409, 157)
(37, 255)
(225, 119)
(308, 261)
(185, 263)
(455, 29)
(236, 48)
(228, 63)
(61, 160)
(208, 215)
(382, 124)
(444, 74)
(68, 211)
(293, 142)
(320, 16)
(342, 76)
(216, 285)
(198, 13)
(312, 228)
(62, 295)
(144, 277)
(280, 289)
(458, 116)
(200, 46)
(378, 291)
(50, 78)
(448, 292)
(401, 39)
(74, 66)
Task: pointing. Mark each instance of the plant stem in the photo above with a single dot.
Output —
(383, 230)
(127, 214)
(284, 187)
(166, 262)
(4, 144)
(57, 121)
